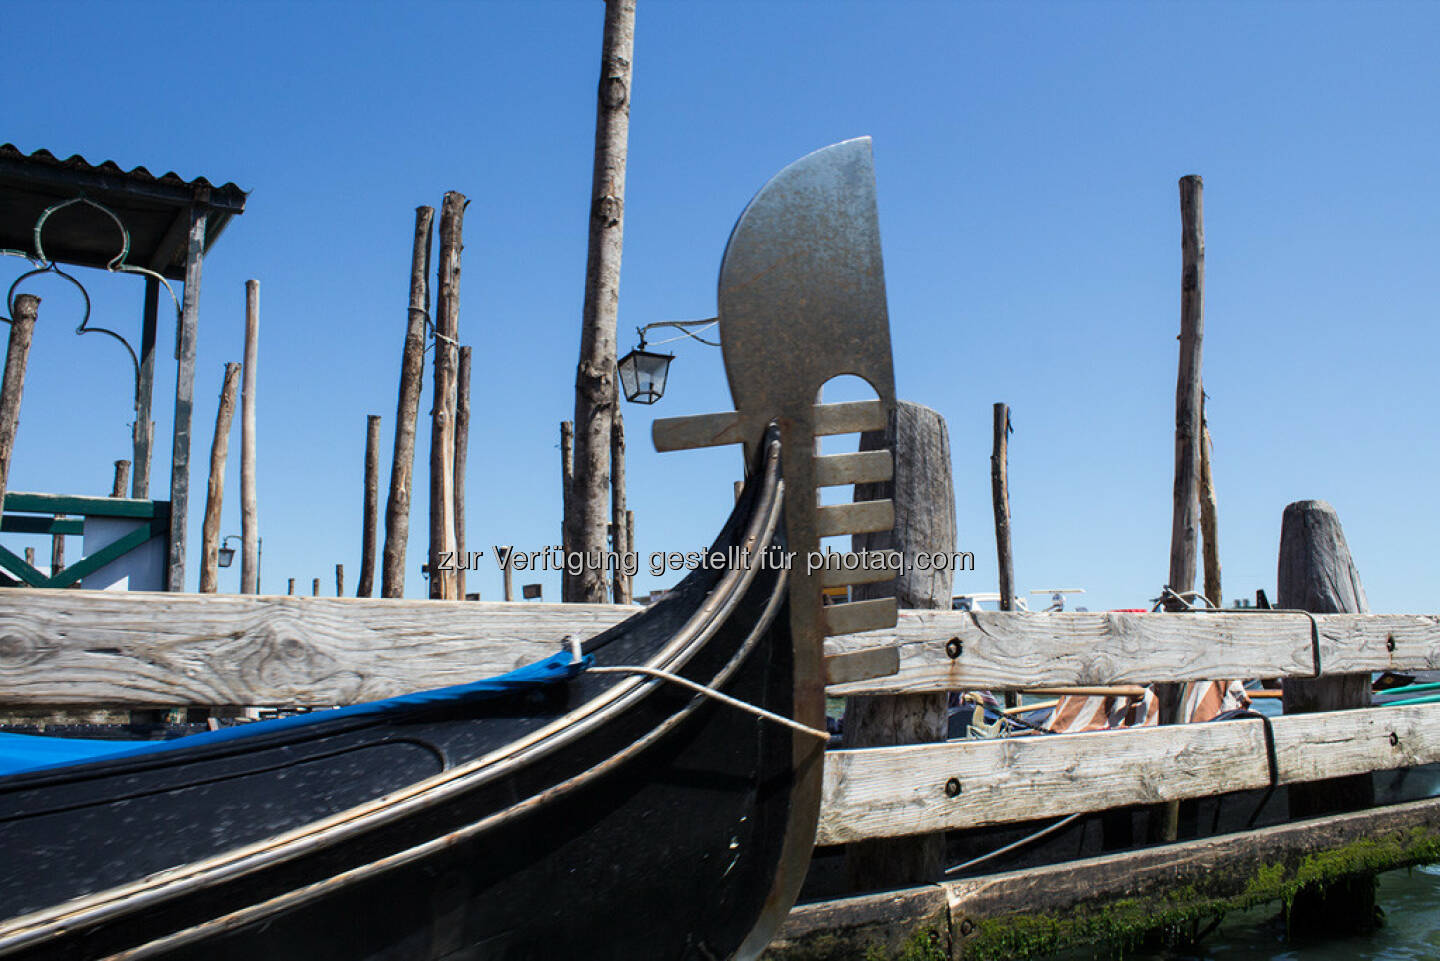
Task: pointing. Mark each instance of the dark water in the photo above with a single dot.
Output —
(1410, 898)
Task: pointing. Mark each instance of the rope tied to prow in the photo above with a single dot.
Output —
(572, 641)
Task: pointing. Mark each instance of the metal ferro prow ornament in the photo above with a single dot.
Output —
(802, 301)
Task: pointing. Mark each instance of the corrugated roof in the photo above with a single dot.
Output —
(155, 210)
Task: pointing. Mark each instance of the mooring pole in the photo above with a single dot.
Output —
(1185, 507)
(12, 388)
(462, 449)
(567, 493)
(1209, 514)
(924, 501)
(290, 588)
(1000, 496)
(143, 431)
(249, 510)
(1317, 574)
(122, 479)
(315, 587)
(215, 492)
(407, 410)
(339, 580)
(595, 372)
(185, 349)
(443, 575)
(618, 543)
(371, 509)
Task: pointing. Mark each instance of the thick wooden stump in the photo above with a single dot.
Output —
(924, 522)
(1317, 574)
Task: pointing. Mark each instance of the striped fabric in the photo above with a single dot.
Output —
(1200, 701)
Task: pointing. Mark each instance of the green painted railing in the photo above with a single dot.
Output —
(27, 513)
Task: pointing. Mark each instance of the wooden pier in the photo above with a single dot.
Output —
(67, 649)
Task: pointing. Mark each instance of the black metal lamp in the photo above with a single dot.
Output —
(225, 556)
(643, 373)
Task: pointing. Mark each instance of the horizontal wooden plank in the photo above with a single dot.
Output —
(87, 647)
(862, 467)
(858, 518)
(996, 650)
(33, 503)
(101, 647)
(1040, 910)
(921, 788)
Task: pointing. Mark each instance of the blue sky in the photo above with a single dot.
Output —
(1027, 159)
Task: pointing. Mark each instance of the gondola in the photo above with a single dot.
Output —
(651, 792)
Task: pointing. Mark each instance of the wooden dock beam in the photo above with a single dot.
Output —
(1038, 911)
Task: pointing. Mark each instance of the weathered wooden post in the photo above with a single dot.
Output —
(290, 588)
(315, 587)
(462, 450)
(1317, 574)
(371, 508)
(509, 581)
(407, 410)
(30, 556)
(567, 492)
(57, 552)
(143, 431)
(12, 388)
(185, 350)
(339, 580)
(443, 573)
(1185, 507)
(1209, 515)
(1000, 496)
(621, 583)
(595, 373)
(215, 492)
(924, 523)
(122, 479)
(249, 510)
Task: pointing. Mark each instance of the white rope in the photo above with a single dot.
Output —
(711, 692)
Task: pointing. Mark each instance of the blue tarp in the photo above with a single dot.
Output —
(30, 752)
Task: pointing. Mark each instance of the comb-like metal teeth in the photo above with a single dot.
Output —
(857, 616)
(864, 567)
(863, 517)
(715, 430)
(864, 467)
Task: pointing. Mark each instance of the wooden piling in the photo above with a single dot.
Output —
(924, 501)
(290, 588)
(567, 487)
(443, 573)
(249, 509)
(620, 582)
(407, 410)
(1000, 498)
(215, 492)
(1185, 506)
(30, 556)
(462, 448)
(1317, 574)
(595, 373)
(142, 433)
(57, 552)
(368, 523)
(506, 573)
(122, 479)
(12, 388)
(185, 350)
(1209, 515)
(339, 580)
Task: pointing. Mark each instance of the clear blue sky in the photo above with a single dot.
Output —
(1027, 158)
